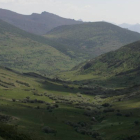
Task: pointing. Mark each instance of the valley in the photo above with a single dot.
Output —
(39, 108)
(63, 79)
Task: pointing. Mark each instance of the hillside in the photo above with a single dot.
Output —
(34, 108)
(36, 23)
(23, 51)
(89, 40)
(120, 67)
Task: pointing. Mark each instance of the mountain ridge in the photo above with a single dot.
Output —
(35, 23)
(92, 39)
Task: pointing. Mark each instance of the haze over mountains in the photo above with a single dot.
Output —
(135, 27)
(35, 23)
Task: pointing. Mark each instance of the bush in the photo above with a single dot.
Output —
(65, 86)
(56, 105)
(108, 110)
(106, 105)
(47, 129)
(119, 114)
(28, 97)
(9, 132)
(136, 122)
(13, 100)
(95, 134)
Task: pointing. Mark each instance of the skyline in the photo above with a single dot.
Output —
(114, 11)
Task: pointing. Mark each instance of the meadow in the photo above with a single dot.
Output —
(39, 108)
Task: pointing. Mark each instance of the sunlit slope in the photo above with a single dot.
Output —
(27, 52)
(34, 108)
(89, 40)
(121, 66)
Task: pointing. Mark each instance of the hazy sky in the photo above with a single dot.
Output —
(115, 11)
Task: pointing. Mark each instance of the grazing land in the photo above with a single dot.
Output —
(50, 109)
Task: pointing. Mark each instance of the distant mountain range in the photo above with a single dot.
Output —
(61, 48)
(135, 27)
(35, 23)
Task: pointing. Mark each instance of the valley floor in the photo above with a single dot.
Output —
(41, 109)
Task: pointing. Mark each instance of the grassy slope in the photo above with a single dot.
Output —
(27, 52)
(31, 121)
(120, 67)
(89, 40)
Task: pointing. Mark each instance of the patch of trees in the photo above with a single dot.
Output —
(133, 137)
(26, 100)
(84, 129)
(87, 65)
(47, 129)
(10, 132)
(5, 118)
(10, 84)
(23, 83)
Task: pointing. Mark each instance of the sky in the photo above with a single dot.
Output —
(114, 11)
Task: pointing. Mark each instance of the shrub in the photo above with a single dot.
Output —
(127, 115)
(9, 132)
(109, 110)
(13, 100)
(28, 97)
(95, 134)
(136, 122)
(119, 114)
(47, 129)
(106, 105)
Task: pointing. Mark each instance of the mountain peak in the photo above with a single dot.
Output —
(35, 23)
(44, 13)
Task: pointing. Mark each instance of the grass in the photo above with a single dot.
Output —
(118, 68)
(30, 120)
(26, 52)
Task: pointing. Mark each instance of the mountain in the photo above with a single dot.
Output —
(90, 40)
(36, 23)
(24, 51)
(135, 27)
(116, 68)
(125, 25)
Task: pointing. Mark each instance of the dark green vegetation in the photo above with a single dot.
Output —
(36, 23)
(34, 108)
(27, 52)
(120, 68)
(89, 40)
